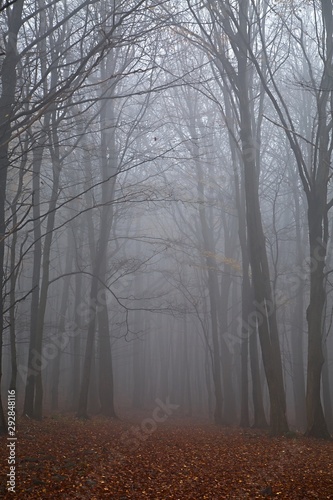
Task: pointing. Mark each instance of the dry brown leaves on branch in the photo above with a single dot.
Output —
(63, 458)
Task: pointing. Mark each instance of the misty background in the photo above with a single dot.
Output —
(165, 175)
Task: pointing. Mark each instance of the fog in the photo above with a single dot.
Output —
(165, 210)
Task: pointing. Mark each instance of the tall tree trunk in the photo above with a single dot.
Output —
(318, 238)
(38, 403)
(109, 170)
(265, 306)
(7, 99)
(61, 327)
(89, 350)
(327, 400)
(297, 320)
(34, 388)
(244, 344)
(316, 424)
(186, 395)
(138, 365)
(106, 389)
(36, 271)
(259, 421)
(214, 294)
(138, 347)
(246, 335)
(14, 271)
(229, 402)
(76, 346)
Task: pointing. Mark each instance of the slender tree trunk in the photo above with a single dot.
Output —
(36, 271)
(214, 297)
(229, 402)
(138, 372)
(138, 347)
(33, 405)
(61, 327)
(89, 350)
(13, 278)
(297, 323)
(76, 373)
(98, 277)
(244, 416)
(249, 337)
(106, 395)
(187, 395)
(38, 404)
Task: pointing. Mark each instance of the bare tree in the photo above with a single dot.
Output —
(7, 101)
(230, 28)
(314, 175)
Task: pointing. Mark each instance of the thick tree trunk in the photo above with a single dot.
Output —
(14, 272)
(265, 307)
(318, 238)
(246, 336)
(316, 424)
(264, 301)
(12, 322)
(7, 99)
(327, 400)
(259, 420)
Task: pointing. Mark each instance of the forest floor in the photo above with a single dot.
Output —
(64, 458)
